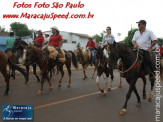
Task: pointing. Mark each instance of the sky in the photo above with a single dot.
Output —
(120, 15)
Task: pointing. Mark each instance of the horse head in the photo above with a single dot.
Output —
(19, 44)
(101, 57)
(113, 55)
(29, 54)
(78, 53)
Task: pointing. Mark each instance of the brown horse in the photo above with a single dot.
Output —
(41, 57)
(3, 69)
(85, 57)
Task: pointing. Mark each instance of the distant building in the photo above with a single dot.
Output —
(70, 40)
(3, 38)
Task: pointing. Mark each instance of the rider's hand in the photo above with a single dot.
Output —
(149, 49)
(135, 46)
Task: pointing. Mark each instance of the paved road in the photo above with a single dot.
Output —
(80, 103)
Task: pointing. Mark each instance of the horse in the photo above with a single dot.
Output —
(19, 45)
(3, 69)
(85, 57)
(41, 57)
(12, 55)
(102, 67)
(134, 67)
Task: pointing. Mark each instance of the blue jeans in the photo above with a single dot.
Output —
(93, 56)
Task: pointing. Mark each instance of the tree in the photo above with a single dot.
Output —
(2, 29)
(99, 37)
(20, 29)
(128, 39)
(160, 41)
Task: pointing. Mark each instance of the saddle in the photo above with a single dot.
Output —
(53, 53)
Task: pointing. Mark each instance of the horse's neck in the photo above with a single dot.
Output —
(38, 54)
(128, 57)
(105, 54)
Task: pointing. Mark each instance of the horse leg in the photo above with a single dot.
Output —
(138, 97)
(110, 86)
(94, 72)
(84, 68)
(69, 73)
(13, 73)
(34, 72)
(151, 92)
(131, 88)
(6, 76)
(51, 74)
(27, 73)
(120, 84)
(50, 84)
(62, 74)
(106, 86)
(98, 84)
(42, 83)
(144, 86)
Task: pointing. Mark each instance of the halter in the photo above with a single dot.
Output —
(134, 65)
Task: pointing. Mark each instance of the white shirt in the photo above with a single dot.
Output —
(46, 40)
(144, 40)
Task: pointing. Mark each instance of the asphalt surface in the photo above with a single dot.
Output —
(82, 102)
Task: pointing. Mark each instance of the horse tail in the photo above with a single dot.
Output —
(74, 59)
(21, 70)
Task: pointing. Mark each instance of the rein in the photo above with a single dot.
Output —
(133, 65)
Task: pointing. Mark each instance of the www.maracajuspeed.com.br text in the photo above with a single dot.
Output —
(49, 16)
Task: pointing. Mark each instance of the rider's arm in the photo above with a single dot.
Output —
(135, 44)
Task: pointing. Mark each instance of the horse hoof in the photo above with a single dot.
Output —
(68, 85)
(138, 104)
(83, 78)
(122, 112)
(102, 91)
(104, 94)
(39, 92)
(149, 99)
(59, 86)
(109, 89)
(51, 88)
(5, 94)
(144, 97)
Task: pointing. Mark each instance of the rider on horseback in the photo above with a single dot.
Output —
(142, 39)
(108, 38)
(10, 41)
(56, 41)
(38, 42)
(91, 45)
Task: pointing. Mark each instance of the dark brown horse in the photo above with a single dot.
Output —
(3, 69)
(41, 57)
(19, 46)
(134, 67)
(102, 67)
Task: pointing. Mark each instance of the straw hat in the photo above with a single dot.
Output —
(54, 27)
